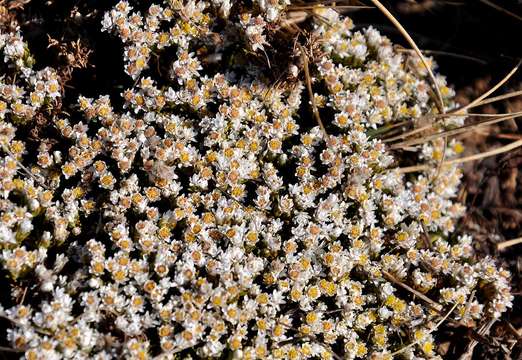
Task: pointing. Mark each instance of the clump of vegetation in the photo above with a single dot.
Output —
(234, 206)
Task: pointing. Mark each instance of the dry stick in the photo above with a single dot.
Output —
(479, 156)
(23, 296)
(324, 2)
(392, 279)
(395, 125)
(425, 238)
(387, 128)
(426, 127)
(512, 329)
(328, 4)
(310, 91)
(436, 116)
(505, 244)
(429, 332)
(409, 133)
(455, 131)
(17, 323)
(483, 102)
(468, 304)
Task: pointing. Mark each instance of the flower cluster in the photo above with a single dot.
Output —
(210, 216)
(22, 98)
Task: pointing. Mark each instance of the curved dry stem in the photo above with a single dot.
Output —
(397, 24)
(310, 91)
(501, 9)
(463, 109)
(456, 131)
(500, 98)
(439, 101)
(332, 6)
(481, 100)
(500, 150)
(448, 53)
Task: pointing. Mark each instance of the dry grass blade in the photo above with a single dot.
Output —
(500, 98)
(456, 131)
(441, 162)
(408, 134)
(333, 2)
(439, 101)
(327, 5)
(311, 93)
(447, 53)
(439, 116)
(479, 156)
(447, 115)
(387, 129)
(481, 100)
(429, 332)
(501, 9)
(505, 244)
(397, 24)
(489, 92)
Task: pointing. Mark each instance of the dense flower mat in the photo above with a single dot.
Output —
(222, 212)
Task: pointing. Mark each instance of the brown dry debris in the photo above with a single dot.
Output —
(492, 191)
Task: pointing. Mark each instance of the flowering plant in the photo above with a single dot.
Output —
(221, 212)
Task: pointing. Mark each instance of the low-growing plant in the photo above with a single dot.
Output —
(242, 204)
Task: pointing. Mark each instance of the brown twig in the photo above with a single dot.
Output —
(420, 295)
